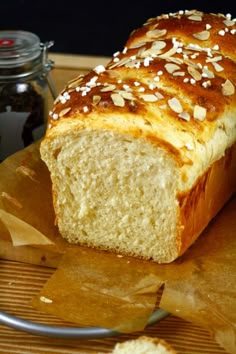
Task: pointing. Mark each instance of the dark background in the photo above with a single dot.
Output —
(92, 27)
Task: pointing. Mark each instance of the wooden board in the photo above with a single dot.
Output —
(19, 282)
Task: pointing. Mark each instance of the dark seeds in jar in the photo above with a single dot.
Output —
(22, 113)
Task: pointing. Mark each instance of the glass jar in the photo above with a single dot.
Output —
(24, 83)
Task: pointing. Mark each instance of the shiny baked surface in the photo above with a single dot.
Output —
(173, 83)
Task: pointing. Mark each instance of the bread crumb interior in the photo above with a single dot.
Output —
(116, 192)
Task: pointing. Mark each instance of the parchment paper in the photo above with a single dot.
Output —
(92, 287)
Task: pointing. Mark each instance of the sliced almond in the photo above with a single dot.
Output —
(149, 52)
(175, 105)
(158, 45)
(156, 33)
(159, 95)
(137, 45)
(214, 59)
(126, 95)
(118, 100)
(119, 62)
(113, 73)
(195, 18)
(179, 73)
(207, 73)
(108, 88)
(229, 23)
(64, 111)
(228, 88)
(124, 61)
(133, 64)
(203, 35)
(149, 98)
(169, 53)
(194, 73)
(75, 82)
(170, 67)
(199, 112)
(184, 115)
(175, 60)
(217, 67)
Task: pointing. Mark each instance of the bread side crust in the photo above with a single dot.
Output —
(209, 194)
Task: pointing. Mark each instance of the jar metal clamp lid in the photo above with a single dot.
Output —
(24, 84)
(23, 55)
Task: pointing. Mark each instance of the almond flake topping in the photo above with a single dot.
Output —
(149, 98)
(159, 95)
(203, 36)
(169, 53)
(108, 88)
(229, 23)
(175, 105)
(228, 88)
(118, 100)
(156, 33)
(170, 67)
(75, 83)
(195, 18)
(194, 73)
(184, 115)
(137, 45)
(112, 73)
(217, 58)
(158, 45)
(126, 95)
(207, 73)
(179, 73)
(199, 112)
(217, 67)
(64, 111)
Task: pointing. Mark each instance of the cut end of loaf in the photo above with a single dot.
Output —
(115, 192)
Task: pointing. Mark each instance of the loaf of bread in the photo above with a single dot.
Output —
(143, 345)
(141, 152)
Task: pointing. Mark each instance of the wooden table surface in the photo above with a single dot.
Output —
(19, 282)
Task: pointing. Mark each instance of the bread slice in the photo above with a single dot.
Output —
(143, 345)
(142, 152)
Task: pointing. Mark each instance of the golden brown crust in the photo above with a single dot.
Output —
(171, 62)
(165, 76)
(207, 30)
(206, 198)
